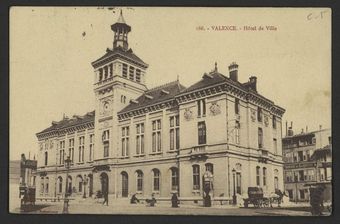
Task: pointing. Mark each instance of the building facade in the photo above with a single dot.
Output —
(166, 139)
(308, 161)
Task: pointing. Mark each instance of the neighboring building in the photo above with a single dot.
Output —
(28, 169)
(164, 139)
(308, 160)
(14, 184)
(21, 176)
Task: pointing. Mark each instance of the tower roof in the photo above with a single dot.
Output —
(121, 23)
(121, 18)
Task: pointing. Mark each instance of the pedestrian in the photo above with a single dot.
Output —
(280, 194)
(134, 199)
(106, 198)
(174, 201)
(151, 202)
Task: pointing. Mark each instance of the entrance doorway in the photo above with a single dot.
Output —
(104, 179)
(125, 184)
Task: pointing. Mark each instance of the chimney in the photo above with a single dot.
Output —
(320, 126)
(252, 81)
(290, 131)
(306, 129)
(286, 128)
(233, 71)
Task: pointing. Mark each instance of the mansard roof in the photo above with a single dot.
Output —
(207, 80)
(69, 122)
(215, 78)
(119, 52)
(155, 95)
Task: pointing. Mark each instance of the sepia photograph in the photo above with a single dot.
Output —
(214, 111)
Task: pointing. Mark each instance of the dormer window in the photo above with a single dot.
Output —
(148, 96)
(165, 92)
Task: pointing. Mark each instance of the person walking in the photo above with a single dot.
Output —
(106, 198)
(174, 201)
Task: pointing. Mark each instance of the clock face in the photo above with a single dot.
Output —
(106, 106)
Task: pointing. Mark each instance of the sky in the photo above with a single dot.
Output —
(51, 50)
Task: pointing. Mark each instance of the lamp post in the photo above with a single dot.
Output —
(85, 182)
(56, 174)
(234, 192)
(67, 166)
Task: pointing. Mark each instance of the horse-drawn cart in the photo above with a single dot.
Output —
(256, 198)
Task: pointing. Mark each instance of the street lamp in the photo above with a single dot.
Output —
(234, 193)
(85, 182)
(67, 166)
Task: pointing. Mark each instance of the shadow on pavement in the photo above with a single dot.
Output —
(31, 208)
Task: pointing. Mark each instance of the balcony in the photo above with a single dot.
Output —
(198, 152)
(264, 153)
(104, 81)
(264, 156)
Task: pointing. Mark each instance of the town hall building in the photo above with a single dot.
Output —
(163, 140)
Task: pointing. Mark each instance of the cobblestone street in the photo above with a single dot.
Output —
(121, 208)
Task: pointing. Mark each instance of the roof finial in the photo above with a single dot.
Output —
(215, 66)
(121, 18)
(177, 78)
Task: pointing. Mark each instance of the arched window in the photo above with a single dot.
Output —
(139, 180)
(60, 184)
(276, 179)
(209, 167)
(258, 176)
(46, 158)
(156, 179)
(264, 176)
(196, 177)
(174, 179)
(238, 178)
(80, 183)
(125, 184)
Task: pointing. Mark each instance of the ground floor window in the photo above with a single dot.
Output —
(174, 179)
(196, 177)
(60, 181)
(238, 183)
(125, 184)
(156, 178)
(139, 180)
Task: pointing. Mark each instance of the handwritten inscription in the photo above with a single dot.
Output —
(234, 28)
(317, 15)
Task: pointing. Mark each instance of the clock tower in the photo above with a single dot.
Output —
(119, 78)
